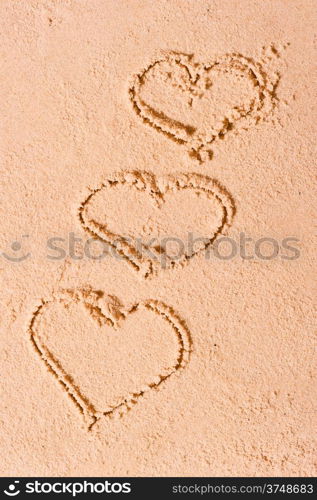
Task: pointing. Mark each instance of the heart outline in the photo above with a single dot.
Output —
(157, 186)
(114, 313)
(265, 100)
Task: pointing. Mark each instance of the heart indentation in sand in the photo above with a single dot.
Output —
(107, 356)
(195, 104)
(157, 222)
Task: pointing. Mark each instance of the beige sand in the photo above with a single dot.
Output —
(134, 126)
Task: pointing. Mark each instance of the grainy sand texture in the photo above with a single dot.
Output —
(156, 247)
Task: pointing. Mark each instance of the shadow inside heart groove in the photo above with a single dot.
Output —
(107, 356)
(154, 222)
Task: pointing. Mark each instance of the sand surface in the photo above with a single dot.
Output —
(141, 333)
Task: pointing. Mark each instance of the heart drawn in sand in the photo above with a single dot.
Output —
(157, 222)
(195, 103)
(107, 356)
